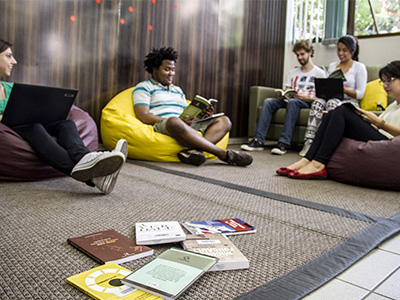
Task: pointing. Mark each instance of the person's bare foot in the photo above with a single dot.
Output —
(312, 167)
(299, 164)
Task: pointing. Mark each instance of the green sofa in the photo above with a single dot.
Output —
(259, 93)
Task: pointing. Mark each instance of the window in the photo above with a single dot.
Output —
(375, 17)
(327, 20)
(318, 20)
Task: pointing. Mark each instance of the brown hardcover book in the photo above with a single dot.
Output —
(109, 246)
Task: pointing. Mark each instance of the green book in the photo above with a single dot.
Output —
(171, 273)
(197, 106)
(338, 73)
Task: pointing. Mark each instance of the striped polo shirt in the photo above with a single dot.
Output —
(163, 102)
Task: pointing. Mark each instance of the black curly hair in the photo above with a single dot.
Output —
(154, 58)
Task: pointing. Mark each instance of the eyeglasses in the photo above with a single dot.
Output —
(387, 81)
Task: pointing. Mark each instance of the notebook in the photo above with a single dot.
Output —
(37, 104)
(329, 88)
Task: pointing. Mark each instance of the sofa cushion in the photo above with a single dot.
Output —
(373, 163)
(374, 93)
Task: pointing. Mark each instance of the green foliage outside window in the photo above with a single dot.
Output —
(387, 17)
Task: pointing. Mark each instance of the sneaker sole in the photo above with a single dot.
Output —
(122, 146)
(248, 148)
(278, 152)
(239, 161)
(192, 159)
(108, 184)
(98, 168)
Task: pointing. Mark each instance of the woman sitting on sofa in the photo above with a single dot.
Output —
(351, 122)
(353, 88)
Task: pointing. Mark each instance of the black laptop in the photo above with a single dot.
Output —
(37, 104)
(329, 88)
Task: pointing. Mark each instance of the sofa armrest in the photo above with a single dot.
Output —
(257, 96)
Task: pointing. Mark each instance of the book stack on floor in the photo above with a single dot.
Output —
(153, 233)
(217, 245)
(169, 274)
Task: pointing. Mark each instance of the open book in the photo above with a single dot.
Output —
(338, 73)
(197, 106)
(288, 94)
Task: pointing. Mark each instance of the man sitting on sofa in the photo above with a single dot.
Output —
(302, 81)
(159, 103)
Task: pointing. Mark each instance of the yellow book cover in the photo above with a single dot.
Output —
(104, 283)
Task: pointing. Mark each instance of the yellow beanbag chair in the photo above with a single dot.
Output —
(374, 92)
(118, 121)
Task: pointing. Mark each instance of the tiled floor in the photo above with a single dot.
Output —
(375, 277)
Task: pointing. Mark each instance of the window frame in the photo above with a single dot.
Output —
(351, 10)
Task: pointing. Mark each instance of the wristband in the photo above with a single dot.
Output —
(381, 124)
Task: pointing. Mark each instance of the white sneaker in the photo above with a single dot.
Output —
(280, 149)
(122, 146)
(306, 147)
(106, 184)
(97, 164)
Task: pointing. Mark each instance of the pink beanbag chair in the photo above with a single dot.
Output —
(20, 163)
(373, 164)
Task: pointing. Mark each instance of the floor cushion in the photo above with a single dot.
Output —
(20, 163)
(118, 121)
(372, 164)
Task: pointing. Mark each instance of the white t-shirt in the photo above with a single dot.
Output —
(392, 116)
(298, 80)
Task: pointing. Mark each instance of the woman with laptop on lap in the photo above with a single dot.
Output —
(68, 154)
(354, 123)
(353, 88)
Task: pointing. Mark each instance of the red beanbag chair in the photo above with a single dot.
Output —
(373, 164)
(19, 162)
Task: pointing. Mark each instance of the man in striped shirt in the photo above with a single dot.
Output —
(159, 103)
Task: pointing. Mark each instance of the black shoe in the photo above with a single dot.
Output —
(192, 157)
(253, 145)
(238, 158)
(280, 149)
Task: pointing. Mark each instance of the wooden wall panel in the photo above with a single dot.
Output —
(53, 50)
(224, 46)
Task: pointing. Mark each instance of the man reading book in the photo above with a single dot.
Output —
(159, 103)
(302, 81)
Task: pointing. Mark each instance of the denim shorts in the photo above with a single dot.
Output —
(161, 126)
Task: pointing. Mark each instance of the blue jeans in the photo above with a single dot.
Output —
(271, 105)
(61, 155)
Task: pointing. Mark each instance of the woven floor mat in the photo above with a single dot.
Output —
(260, 175)
(38, 217)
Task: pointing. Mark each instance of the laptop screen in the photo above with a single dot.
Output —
(329, 88)
(30, 104)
